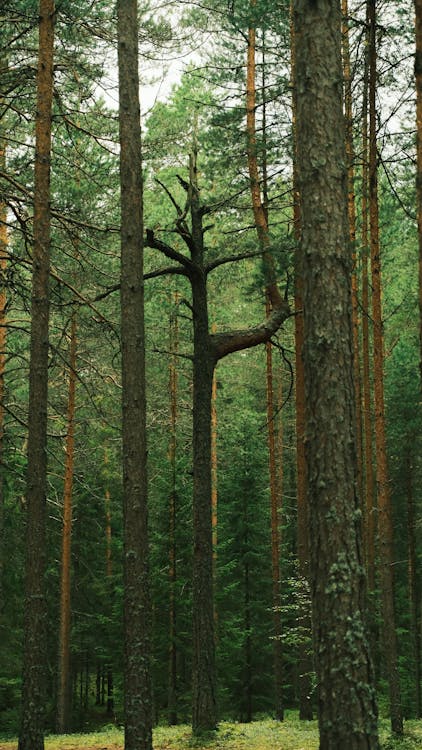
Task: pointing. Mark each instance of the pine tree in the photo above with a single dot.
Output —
(33, 689)
(137, 606)
(346, 695)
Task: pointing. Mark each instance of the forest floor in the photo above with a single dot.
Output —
(258, 735)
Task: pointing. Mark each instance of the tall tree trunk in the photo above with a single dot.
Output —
(370, 500)
(261, 222)
(172, 690)
(305, 661)
(414, 586)
(137, 605)
(351, 210)
(385, 520)
(214, 486)
(275, 507)
(31, 735)
(204, 714)
(109, 581)
(246, 710)
(64, 681)
(3, 323)
(346, 694)
(418, 78)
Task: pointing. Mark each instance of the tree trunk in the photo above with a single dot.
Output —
(64, 681)
(261, 222)
(3, 323)
(110, 593)
(214, 486)
(204, 714)
(305, 661)
(172, 691)
(370, 500)
(246, 710)
(351, 210)
(137, 605)
(418, 78)
(385, 520)
(275, 508)
(31, 735)
(414, 587)
(346, 694)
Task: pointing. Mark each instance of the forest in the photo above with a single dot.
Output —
(210, 374)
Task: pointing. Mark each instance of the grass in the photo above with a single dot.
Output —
(292, 734)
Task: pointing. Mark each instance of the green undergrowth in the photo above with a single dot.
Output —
(292, 734)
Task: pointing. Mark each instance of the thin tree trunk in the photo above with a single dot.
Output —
(305, 661)
(414, 587)
(346, 692)
(204, 714)
(385, 520)
(172, 691)
(31, 735)
(351, 210)
(137, 605)
(370, 500)
(214, 486)
(64, 681)
(246, 706)
(4, 240)
(275, 506)
(418, 79)
(261, 223)
(109, 579)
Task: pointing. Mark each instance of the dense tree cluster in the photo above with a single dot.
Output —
(210, 425)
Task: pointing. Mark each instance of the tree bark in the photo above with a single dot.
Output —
(214, 483)
(351, 211)
(31, 735)
(204, 707)
(260, 212)
(414, 587)
(4, 240)
(370, 500)
(275, 514)
(385, 519)
(172, 691)
(137, 605)
(64, 681)
(305, 661)
(418, 80)
(346, 695)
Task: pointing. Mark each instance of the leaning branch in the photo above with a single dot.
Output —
(234, 341)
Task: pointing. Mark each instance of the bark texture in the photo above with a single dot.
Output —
(64, 683)
(305, 659)
(346, 695)
(3, 323)
(351, 212)
(385, 512)
(31, 735)
(137, 606)
(418, 79)
(414, 586)
(173, 382)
